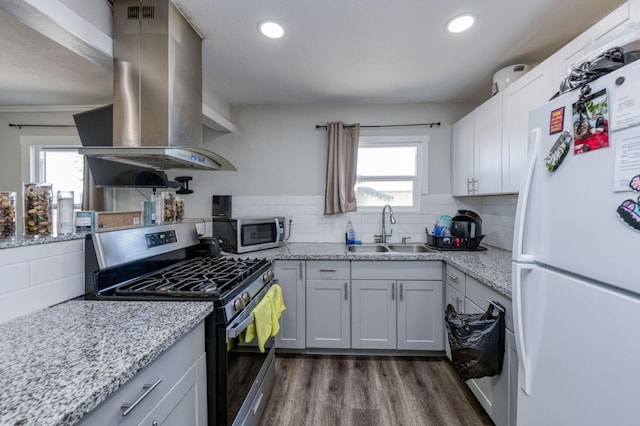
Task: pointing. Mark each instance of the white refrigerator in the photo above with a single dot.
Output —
(576, 263)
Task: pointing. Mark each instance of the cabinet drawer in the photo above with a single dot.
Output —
(169, 367)
(478, 293)
(397, 270)
(455, 278)
(327, 270)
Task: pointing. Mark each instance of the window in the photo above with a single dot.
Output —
(63, 168)
(390, 171)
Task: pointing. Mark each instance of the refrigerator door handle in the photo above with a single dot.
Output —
(524, 379)
(523, 203)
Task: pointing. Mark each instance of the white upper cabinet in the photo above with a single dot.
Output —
(593, 38)
(489, 145)
(462, 146)
(531, 91)
(476, 150)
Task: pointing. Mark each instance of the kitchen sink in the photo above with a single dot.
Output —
(409, 248)
(398, 248)
(372, 248)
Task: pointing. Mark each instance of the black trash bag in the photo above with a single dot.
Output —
(477, 342)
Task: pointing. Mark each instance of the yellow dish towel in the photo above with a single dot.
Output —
(262, 323)
(277, 302)
(266, 317)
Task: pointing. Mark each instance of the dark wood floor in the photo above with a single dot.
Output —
(364, 390)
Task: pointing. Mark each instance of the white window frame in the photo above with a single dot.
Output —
(31, 146)
(421, 143)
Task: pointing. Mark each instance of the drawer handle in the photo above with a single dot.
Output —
(128, 408)
(346, 290)
(401, 292)
(393, 291)
(328, 270)
(257, 404)
(452, 277)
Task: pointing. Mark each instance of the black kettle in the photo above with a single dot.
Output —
(466, 224)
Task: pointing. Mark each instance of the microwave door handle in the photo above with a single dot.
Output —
(234, 332)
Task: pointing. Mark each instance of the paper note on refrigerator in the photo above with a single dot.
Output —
(625, 103)
(627, 158)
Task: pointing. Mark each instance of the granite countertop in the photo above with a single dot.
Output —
(21, 242)
(59, 363)
(491, 267)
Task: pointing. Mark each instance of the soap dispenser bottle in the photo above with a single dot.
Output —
(350, 236)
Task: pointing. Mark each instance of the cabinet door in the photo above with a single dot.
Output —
(462, 155)
(374, 314)
(456, 299)
(186, 402)
(505, 389)
(328, 314)
(290, 275)
(488, 147)
(420, 315)
(524, 95)
(482, 388)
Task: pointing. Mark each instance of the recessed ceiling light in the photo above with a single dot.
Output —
(461, 23)
(271, 29)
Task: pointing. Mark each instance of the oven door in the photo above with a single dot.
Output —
(249, 381)
(249, 372)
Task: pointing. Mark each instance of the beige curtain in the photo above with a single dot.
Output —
(342, 160)
(92, 197)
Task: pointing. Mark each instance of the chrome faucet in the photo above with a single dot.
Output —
(392, 220)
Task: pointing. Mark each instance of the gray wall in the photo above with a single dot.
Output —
(278, 150)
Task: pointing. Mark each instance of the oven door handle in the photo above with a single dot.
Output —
(235, 331)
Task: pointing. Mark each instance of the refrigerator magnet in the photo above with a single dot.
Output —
(591, 122)
(629, 210)
(558, 151)
(629, 213)
(556, 122)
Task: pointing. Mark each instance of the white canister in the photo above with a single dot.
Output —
(65, 212)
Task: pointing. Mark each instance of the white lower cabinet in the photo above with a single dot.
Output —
(397, 305)
(291, 277)
(497, 394)
(328, 305)
(171, 390)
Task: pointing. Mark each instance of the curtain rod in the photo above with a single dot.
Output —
(437, 124)
(20, 126)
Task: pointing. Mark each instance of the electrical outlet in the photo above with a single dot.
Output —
(290, 218)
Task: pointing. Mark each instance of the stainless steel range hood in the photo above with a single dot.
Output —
(157, 110)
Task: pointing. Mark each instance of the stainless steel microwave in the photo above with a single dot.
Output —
(244, 234)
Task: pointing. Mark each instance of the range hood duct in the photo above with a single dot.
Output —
(157, 110)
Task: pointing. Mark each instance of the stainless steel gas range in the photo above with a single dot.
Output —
(167, 263)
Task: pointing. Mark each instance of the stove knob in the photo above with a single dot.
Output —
(271, 275)
(246, 297)
(238, 304)
(265, 277)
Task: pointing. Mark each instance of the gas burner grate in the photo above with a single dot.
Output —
(204, 276)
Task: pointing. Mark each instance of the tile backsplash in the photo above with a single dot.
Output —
(41, 275)
(309, 224)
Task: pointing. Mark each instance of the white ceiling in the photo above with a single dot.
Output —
(357, 51)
